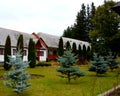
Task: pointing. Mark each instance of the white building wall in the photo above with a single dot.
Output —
(1, 58)
(44, 57)
(25, 58)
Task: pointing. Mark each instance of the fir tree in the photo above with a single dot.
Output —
(32, 53)
(60, 49)
(112, 63)
(68, 32)
(18, 76)
(67, 68)
(7, 52)
(81, 25)
(98, 65)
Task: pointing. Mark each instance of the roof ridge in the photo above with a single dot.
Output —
(48, 34)
(14, 30)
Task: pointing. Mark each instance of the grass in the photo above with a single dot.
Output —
(52, 85)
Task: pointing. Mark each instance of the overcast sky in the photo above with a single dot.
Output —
(48, 16)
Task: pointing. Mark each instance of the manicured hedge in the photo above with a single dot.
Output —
(42, 64)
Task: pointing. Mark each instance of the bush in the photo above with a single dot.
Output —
(42, 64)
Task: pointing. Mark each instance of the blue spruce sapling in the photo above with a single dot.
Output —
(67, 68)
(98, 64)
(112, 63)
(18, 76)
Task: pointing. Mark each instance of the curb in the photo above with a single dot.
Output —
(107, 93)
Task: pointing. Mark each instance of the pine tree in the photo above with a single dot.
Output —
(92, 13)
(98, 65)
(67, 68)
(112, 63)
(32, 53)
(17, 77)
(81, 25)
(20, 44)
(7, 51)
(60, 48)
(68, 32)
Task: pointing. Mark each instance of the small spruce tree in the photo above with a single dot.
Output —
(18, 76)
(112, 63)
(98, 65)
(67, 68)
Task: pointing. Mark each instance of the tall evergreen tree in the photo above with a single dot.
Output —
(17, 77)
(68, 32)
(84, 51)
(88, 22)
(32, 53)
(60, 48)
(20, 44)
(67, 66)
(91, 16)
(68, 46)
(81, 25)
(88, 57)
(80, 51)
(7, 51)
(74, 48)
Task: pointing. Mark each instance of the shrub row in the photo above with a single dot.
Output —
(42, 64)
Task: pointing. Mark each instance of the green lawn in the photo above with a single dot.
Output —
(52, 85)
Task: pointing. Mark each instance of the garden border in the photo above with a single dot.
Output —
(111, 91)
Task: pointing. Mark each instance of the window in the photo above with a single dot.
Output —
(41, 53)
(25, 52)
(1, 51)
(14, 51)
